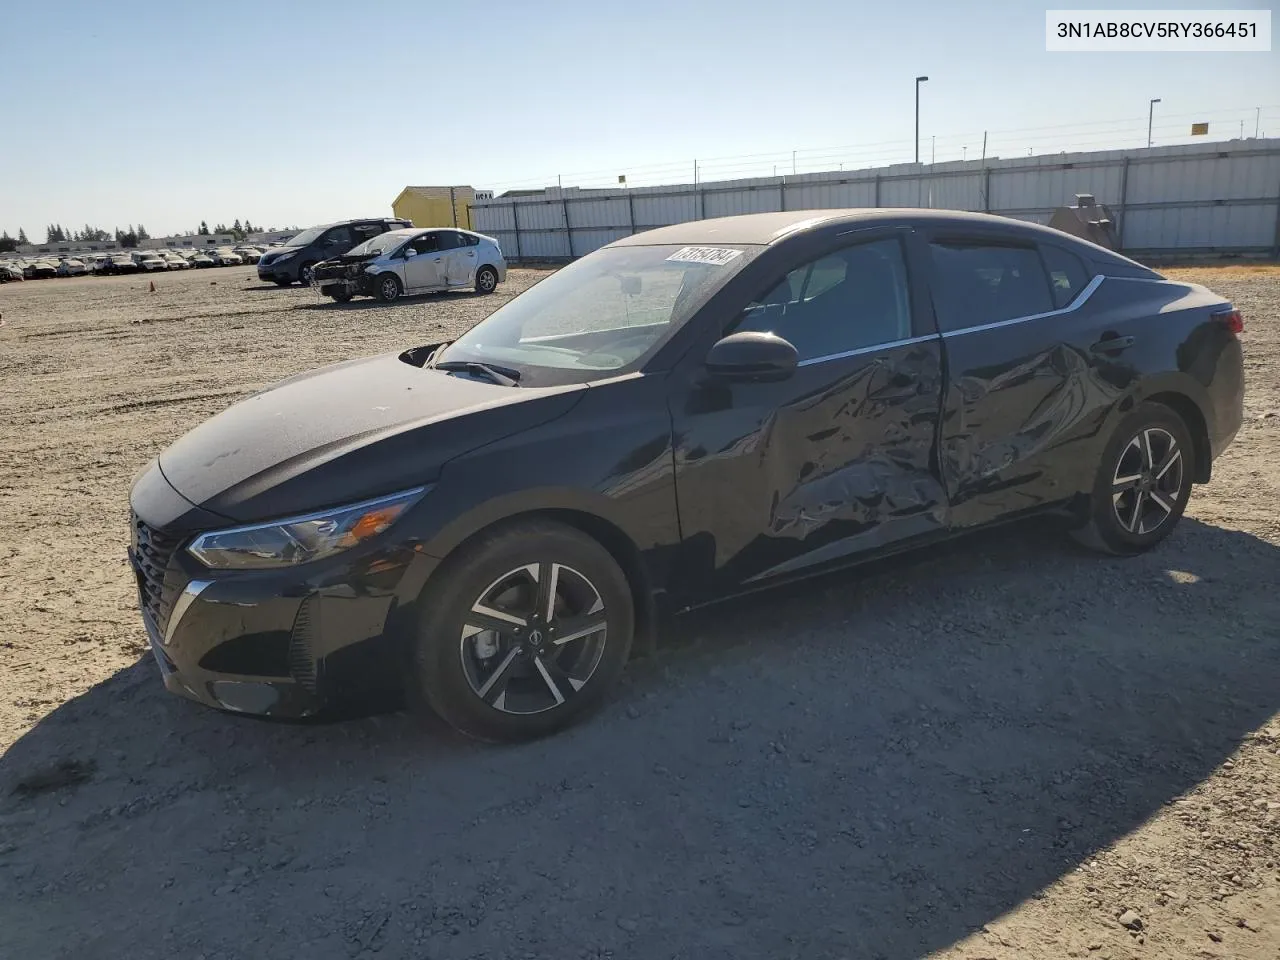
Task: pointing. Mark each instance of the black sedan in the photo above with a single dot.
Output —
(488, 525)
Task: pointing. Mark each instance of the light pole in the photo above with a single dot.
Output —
(919, 80)
(1151, 112)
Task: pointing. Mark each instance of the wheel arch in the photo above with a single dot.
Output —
(1189, 413)
(624, 550)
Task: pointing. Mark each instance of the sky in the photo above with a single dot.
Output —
(294, 113)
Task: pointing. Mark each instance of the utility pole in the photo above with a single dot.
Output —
(984, 146)
(793, 163)
(933, 150)
(1257, 122)
(1151, 112)
(919, 80)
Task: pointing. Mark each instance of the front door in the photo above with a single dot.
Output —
(459, 258)
(772, 478)
(425, 269)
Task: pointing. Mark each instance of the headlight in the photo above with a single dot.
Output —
(285, 543)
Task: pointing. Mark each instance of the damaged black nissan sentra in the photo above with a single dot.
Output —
(487, 525)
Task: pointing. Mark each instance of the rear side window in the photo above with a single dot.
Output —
(979, 283)
(449, 240)
(1067, 274)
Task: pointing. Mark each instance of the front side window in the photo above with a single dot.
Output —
(427, 243)
(1067, 274)
(605, 313)
(339, 237)
(366, 231)
(980, 283)
(854, 298)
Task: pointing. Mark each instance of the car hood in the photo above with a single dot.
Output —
(280, 254)
(347, 432)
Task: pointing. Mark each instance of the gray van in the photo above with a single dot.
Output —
(295, 260)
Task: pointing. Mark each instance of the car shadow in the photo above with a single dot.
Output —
(874, 764)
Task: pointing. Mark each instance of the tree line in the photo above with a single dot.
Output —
(131, 237)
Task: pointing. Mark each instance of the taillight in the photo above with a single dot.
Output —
(1231, 319)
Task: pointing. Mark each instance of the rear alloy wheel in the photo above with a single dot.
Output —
(388, 287)
(486, 280)
(1143, 483)
(524, 633)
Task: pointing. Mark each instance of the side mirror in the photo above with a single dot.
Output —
(752, 355)
(410, 253)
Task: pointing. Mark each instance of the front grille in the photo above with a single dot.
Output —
(302, 662)
(152, 551)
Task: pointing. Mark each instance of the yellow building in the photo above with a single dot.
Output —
(435, 206)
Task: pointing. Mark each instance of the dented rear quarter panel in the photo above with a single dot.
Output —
(1029, 406)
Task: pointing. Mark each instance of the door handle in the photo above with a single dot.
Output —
(1112, 344)
(435, 259)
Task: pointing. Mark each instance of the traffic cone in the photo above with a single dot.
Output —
(153, 287)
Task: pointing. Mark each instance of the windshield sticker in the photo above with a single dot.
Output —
(717, 256)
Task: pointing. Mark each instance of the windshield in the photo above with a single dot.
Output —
(376, 246)
(601, 314)
(305, 237)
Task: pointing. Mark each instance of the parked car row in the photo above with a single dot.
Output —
(385, 258)
(134, 261)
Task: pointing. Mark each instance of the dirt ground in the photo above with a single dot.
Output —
(1006, 748)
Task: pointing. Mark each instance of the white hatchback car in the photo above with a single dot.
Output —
(413, 261)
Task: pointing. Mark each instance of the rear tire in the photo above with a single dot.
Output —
(486, 280)
(387, 287)
(1143, 483)
(490, 661)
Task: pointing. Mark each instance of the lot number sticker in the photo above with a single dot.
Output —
(716, 256)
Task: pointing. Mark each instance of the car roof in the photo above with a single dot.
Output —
(415, 231)
(767, 228)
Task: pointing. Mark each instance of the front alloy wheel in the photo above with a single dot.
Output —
(533, 638)
(524, 630)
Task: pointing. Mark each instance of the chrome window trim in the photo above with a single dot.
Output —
(872, 349)
(1081, 298)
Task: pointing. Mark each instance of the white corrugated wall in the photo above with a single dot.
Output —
(1221, 197)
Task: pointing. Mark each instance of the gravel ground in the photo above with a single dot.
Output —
(1004, 748)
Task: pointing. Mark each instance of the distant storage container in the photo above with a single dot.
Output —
(436, 206)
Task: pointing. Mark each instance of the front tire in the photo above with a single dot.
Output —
(342, 296)
(388, 287)
(524, 633)
(1143, 483)
(306, 274)
(486, 280)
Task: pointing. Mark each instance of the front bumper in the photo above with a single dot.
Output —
(277, 271)
(286, 643)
